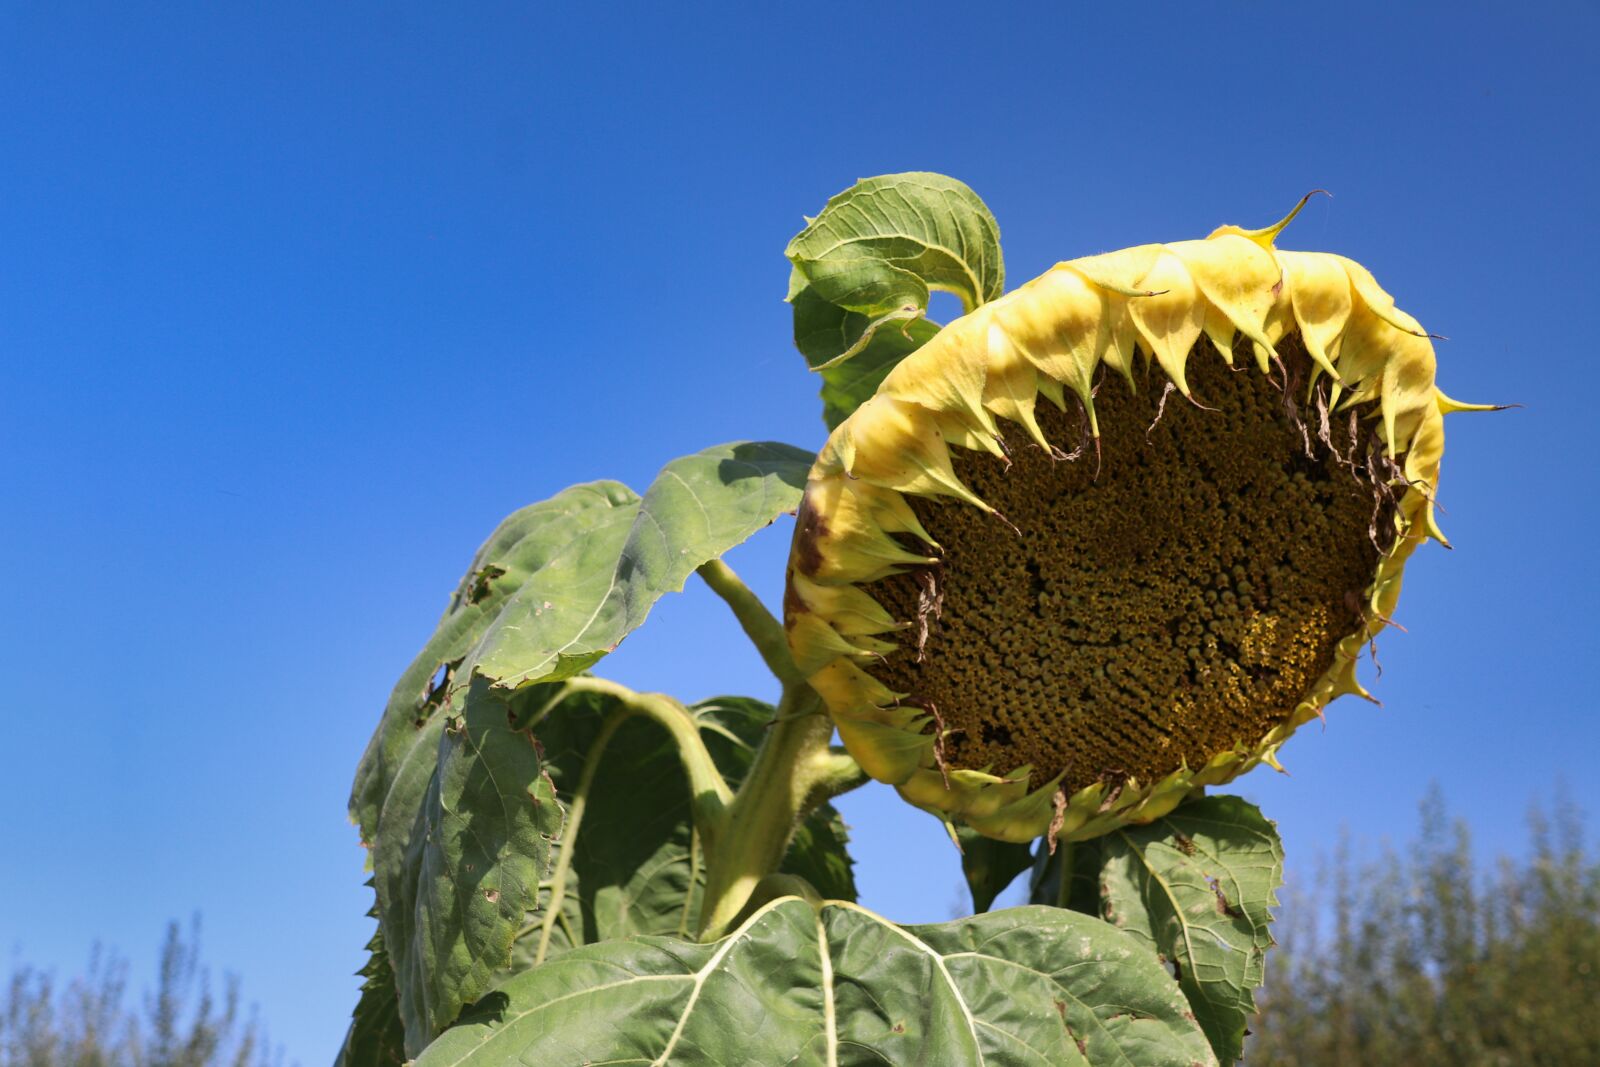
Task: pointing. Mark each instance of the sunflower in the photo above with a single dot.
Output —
(1067, 616)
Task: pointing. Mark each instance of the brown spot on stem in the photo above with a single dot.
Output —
(1057, 820)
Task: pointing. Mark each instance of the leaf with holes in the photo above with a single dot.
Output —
(562, 582)
(559, 585)
(1197, 885)
(522, 547)
(835, 984)
(580, 608)
(453, 886)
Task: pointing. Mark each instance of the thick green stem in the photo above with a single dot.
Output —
(746, 835)
(764, 631)
(794, 770)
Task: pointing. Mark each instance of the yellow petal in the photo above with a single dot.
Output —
(1240, 279)
(1170, 321)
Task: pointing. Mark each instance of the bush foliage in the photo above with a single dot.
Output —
(1425, 957)
(87, 1023)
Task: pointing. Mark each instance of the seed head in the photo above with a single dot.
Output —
(1068, 615)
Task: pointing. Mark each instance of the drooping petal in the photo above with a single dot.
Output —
(1347, 470)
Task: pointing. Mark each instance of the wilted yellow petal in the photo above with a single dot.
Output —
(1154, 616)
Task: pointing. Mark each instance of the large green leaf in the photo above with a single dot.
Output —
(631, 863)
(442, 957)
(524, 545)
(554, 589)
(863, 270)
(570, 615)
(837, 985)
(376, 1037)
(452, 892)
(1197, 886)
(562, 582)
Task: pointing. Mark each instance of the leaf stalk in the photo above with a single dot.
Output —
(569, 833)
(710, 793)
(759, 624)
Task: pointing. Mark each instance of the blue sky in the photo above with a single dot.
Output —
(296, 302)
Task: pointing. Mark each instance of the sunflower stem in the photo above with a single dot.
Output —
(764, 631)
(794, 770)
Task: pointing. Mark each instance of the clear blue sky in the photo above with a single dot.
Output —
(297, 301)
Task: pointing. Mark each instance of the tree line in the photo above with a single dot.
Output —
(89, 1022)
(1427, 957)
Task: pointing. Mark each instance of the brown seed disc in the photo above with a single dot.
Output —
(1179, 600)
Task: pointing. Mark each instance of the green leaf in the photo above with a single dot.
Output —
(554, 589)
(863, 270)
(835, 985)
(819, 853)
(453, 890)
(629, 861)
(1197, 886)
(376, 1037)
(573, 613)
(880, 245)
(635, 863)
(527, 543)
(990, 865)
(822, 332)
(562, 582)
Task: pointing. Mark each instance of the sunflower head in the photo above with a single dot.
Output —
(1064, 616)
